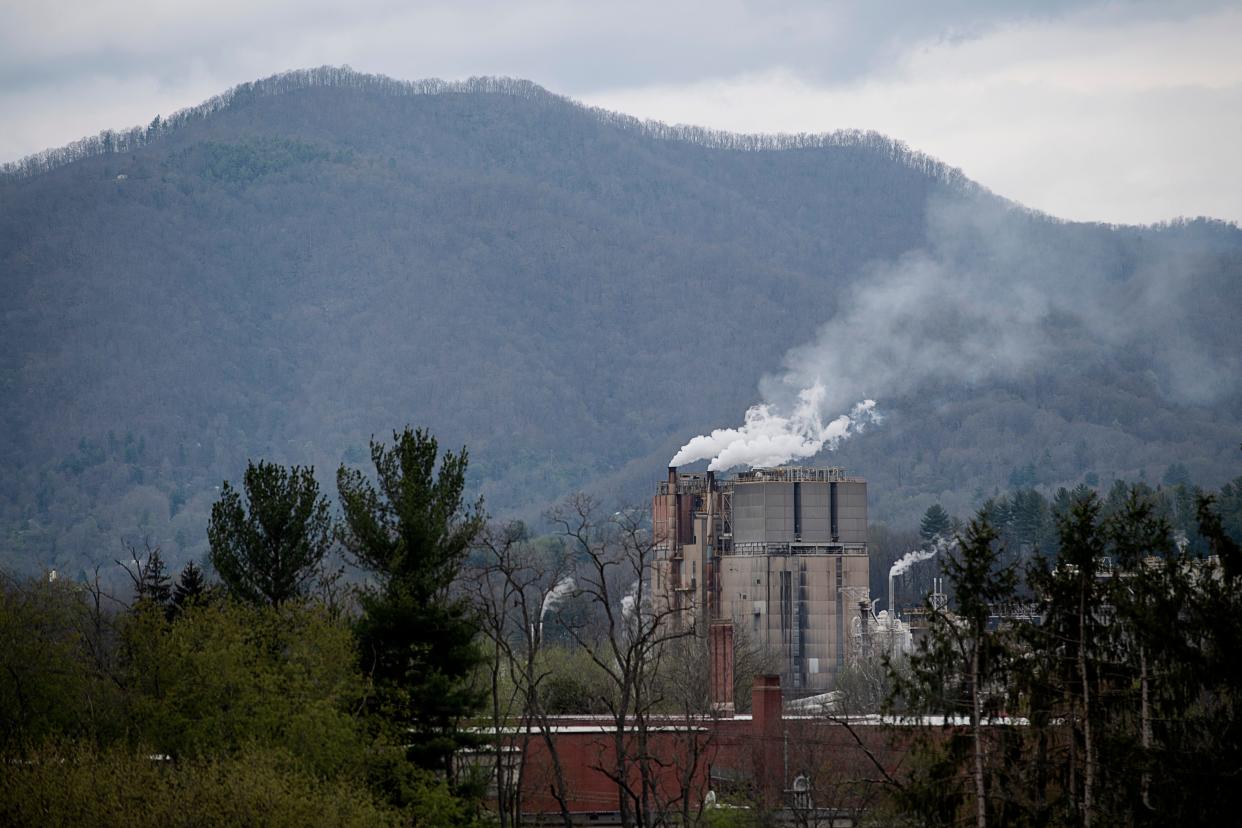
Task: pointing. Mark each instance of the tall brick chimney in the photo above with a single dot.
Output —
(768, 736)
(720, 634)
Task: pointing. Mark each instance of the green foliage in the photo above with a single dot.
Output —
(1129, 681)
(423, 796)
(416, 642)
(46, 687)
(66, 784)
(575, 684)
(218, 714)
(731, 816)
(191, 587)
(244, 163)
(224, 675)
(149, 575)
(979, 579)
(961, 669)
(414, 529)
(267, 550)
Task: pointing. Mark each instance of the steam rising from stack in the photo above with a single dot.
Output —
(769, 438)
(941, 543)
(991, 296)
(629, 602)
(555, 596)
(901, 565)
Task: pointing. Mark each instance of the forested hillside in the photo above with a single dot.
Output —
(323, 256)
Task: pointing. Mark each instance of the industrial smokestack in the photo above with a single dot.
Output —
(909, 559)
(672, 476)
(721, 635)
(864, 622)
(711, 480)
(766, 713)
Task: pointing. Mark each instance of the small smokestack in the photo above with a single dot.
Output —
(892, 604)
(721, 635)
(711, 480)
(672, 477)
(766, 715)
(864, 622)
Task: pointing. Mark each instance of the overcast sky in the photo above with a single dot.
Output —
(1123, 111)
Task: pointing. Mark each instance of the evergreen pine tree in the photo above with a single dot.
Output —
(154, 584)
(191, 587)
(936, 522)
(417, 641)
(960, 670)
(1072, 645)
(149, 576)
(269, 549)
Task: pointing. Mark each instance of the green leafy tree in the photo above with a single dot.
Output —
(43, 681)
(224, 675)
(115, 786)
(412, 530)
(268, 550)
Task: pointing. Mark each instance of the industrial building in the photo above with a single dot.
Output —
(781, 552)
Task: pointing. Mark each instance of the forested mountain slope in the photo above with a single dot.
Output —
(323, 256)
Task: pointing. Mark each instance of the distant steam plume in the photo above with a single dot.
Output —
(996, 292)
(941, 543)
(557, 594)
(562, 590)
(914, 556)
(629, 602)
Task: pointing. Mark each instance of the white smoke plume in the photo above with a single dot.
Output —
(557, 594)
(768, 438)
(909, 559)
(629, 602)
(914, 556)
(996, 292)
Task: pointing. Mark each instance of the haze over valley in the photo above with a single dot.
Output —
(321, 256)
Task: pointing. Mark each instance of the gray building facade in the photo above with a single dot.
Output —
(783, 555)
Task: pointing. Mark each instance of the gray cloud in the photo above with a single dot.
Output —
(70, 68)
(572, 47)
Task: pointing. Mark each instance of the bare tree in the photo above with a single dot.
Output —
(634, 634)
(148, 574)
(515, 586)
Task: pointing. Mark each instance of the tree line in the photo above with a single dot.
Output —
(275, 694)
(1096, 684)
(343, 77)
(378, 662)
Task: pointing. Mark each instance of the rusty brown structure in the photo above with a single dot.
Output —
(796, 769)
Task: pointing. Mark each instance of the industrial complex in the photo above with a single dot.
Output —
(780, 552)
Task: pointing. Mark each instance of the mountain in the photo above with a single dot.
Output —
(322, 256)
